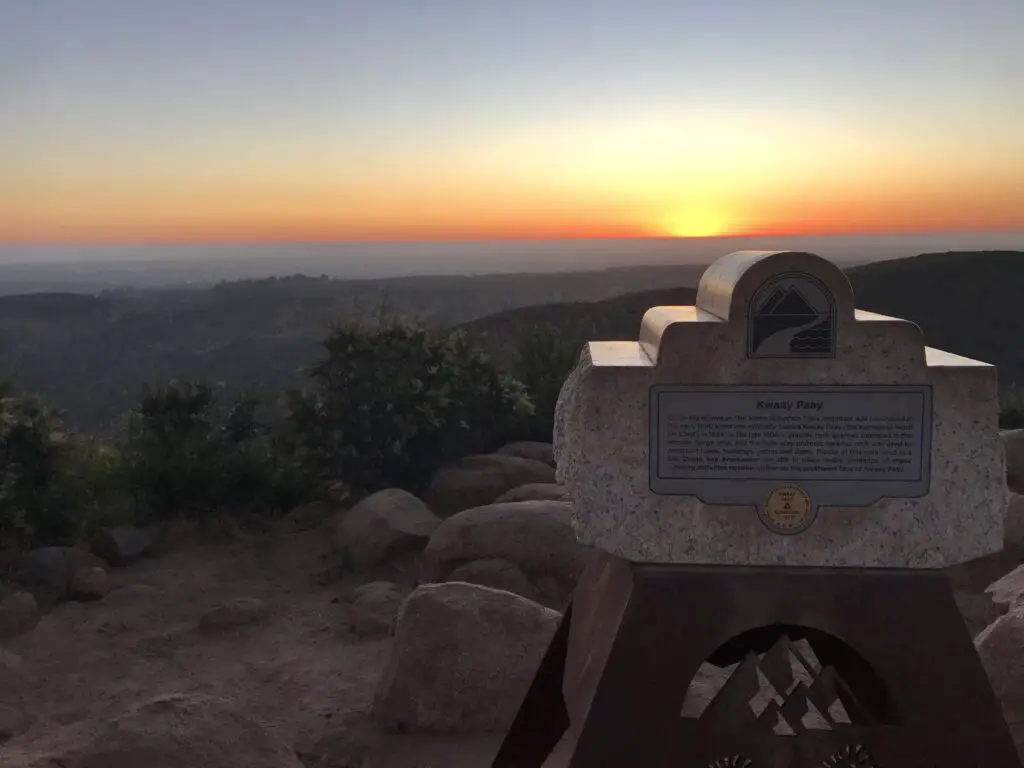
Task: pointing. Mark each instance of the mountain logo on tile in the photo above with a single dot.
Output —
(792, 315)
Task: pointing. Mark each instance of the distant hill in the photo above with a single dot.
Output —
(615, 319)
(970, 303)
(91, 355)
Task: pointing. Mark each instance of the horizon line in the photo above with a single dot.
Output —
(455, 240)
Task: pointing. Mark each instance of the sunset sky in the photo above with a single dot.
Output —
(271, 120)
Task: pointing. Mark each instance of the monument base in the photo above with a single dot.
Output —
(814, 667)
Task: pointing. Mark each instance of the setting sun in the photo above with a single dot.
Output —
(139, 125)
(695, 222)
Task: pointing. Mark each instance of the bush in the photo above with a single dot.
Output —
(543, 360)
(385, 408)
(183, 455)
(33, 447)
(1011, 410)
(95, 485)
(388, 406)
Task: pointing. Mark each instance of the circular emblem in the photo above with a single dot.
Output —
(788, 510)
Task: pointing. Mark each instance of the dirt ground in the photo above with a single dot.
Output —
(300, 670)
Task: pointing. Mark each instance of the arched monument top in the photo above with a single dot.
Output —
(747, 283)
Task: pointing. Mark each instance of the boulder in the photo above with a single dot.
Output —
(978, 611)
(554, 591)
(121, 545)
(19, 613)
(496, 574)
(478, 480)
(999, 647)
(168, 731)
(463, 658)
(88, 584)
(528, 449)
(233, 614)
(381, 526)
(535, 535)
(1008, 590)
(374, 607)
(535, 492)
(47, 572)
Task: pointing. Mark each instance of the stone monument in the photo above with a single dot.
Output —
(771, 481)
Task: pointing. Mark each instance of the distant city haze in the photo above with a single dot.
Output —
(25, 269)
(137, 121)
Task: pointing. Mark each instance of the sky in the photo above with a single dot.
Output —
(305, 120)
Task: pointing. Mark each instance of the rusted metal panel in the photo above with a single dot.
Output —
(823, 668)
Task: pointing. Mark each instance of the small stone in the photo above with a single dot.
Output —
(88, 584)
(122, 544)
(477, 480)
(47, 571)
(374, 607)
(528, 449)
(496, 574)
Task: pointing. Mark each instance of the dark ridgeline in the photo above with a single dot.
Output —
(91, 355)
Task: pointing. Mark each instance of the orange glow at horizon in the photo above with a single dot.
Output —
(655, 175)
(169, 231)
(481, 214)
(223, 122)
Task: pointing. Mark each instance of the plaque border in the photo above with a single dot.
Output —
(723, 491)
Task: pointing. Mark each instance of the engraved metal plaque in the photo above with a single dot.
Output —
(844, 445)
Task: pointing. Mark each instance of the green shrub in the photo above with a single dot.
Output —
(1011, 410)
(184, 455)
(33, 447)
(94, 486)
(389, 405)
(544, 358)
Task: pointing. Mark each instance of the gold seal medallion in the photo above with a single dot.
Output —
(788, 510)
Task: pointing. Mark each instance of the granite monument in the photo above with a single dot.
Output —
(771, 481)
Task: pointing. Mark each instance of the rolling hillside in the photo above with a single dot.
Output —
(968, 303)
(91, 355)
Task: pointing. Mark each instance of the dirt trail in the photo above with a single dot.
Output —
(298, 670)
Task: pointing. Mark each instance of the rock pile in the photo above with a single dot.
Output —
(461, 590)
